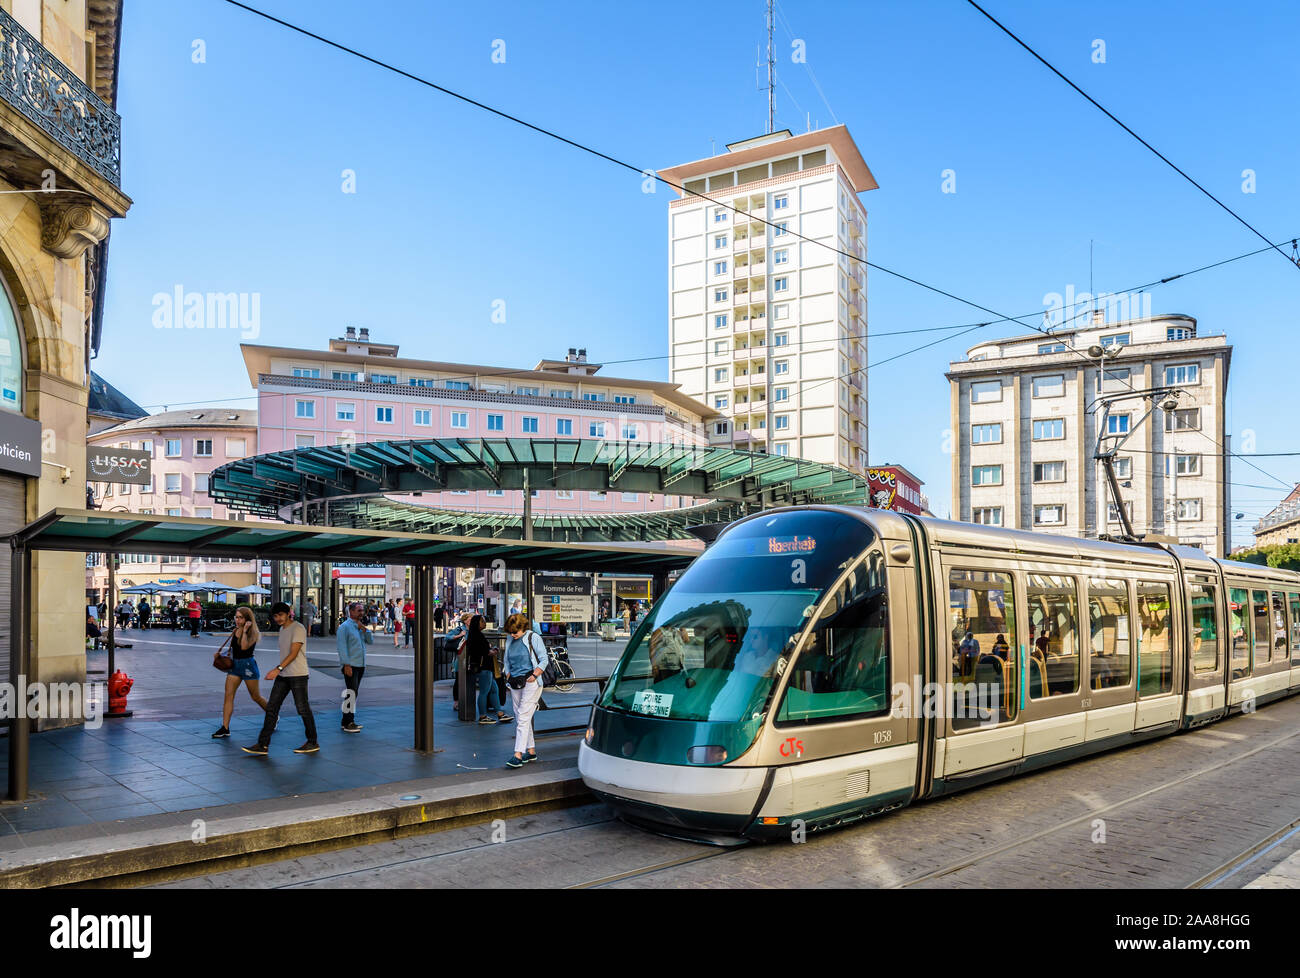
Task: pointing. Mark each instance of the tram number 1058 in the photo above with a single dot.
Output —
(883, 736)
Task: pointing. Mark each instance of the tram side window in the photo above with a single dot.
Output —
(1293, 600)
(1263, 629)
(1112, 647)
(981, 606)
(1054, 655)
(1239, 628)
(1281, 648)
(1205, 628)
(1155, 646)
(843, 671)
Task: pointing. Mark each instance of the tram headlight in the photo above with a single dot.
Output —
(709, 754)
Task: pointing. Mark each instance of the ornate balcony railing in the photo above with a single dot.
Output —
(47, 92)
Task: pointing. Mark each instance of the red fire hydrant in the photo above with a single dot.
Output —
(119, 684)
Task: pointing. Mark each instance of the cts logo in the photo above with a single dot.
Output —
(792, 747)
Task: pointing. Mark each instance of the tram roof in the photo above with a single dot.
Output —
(90, 531)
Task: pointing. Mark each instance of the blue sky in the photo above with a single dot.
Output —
(235, 165)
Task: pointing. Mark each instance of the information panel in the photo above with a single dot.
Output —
(561, 599)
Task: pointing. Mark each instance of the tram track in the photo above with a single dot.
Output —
(1088, 816)
(1244, 858)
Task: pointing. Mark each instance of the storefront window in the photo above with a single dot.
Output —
(11, 358)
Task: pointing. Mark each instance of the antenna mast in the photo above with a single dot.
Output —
(771, 71)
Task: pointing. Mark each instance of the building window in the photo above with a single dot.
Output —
(200, 482)
(720, 321)
(422, 417)
(1183, 419)
(384, 415)
(985, 391)
(596, 429)
(780, 393)
(780, 202)
(721, 427)
(1180, 333)
(719, 375)
(383, 378)
(1117, 339)
(781, 312)
(528, 391)
(1049, 348)
(720, 295)
(1189, 509)
(564, 426)
(496, 422)
(1112, 514)
(1049, 471)
(1117, 424)
(345, 412)
(304, 409)
(781, 284)
(460, 419)
(624, 399)
(344, 375)
(173, 482)
(1182, 375)
(987, 515)
(781, 339)
(598, 497)
(529, 426)
(147, 489)
(304, 441)
(782, 227)
(781, 367)
(1124, 468)
(563, 493)
(172, 511)
(1185, 465)
(719, 215)
(1050, 515)
(456, 385)
(720, 348)
(235, 447)
(986, 475)
(422, 382)
(781, 448)
(203, 447)
(629, 432)
(172, 447)
(986, 434)
(496, 492)
(719, 268)
(720, 241)
(306, 371)
(630, 497)
(593, 397)
(781, 256)
(1052, 385)
(1115, 379)
(781, 422)
(563, 395)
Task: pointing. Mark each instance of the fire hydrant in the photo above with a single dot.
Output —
(119, 684)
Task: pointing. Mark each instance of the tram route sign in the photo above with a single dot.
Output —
(563, 598)
(127, 466)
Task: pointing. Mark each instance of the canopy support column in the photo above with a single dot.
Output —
(424, 672)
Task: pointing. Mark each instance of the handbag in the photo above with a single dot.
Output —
(549, 673)
(223, 662)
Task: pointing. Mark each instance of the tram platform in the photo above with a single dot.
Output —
(125, 797)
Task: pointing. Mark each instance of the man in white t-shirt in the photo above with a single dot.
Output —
(290, 676)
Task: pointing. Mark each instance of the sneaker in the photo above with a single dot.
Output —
(515, 761)
(504, 718)
(352, 728)
(530, 756)
(486, 719)
(311, 747)
(221, 732)
(255, 749)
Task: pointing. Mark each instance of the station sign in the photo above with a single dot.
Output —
(563, 598)
(126, 466)
(20, 444)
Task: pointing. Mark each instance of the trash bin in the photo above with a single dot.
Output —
(441, 658)
(607, 629)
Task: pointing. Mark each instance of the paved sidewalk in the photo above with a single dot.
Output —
(163, 760)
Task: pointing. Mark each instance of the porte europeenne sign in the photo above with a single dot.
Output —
(123, 465)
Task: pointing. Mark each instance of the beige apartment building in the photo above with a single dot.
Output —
(767, 314)
(1025, 415)
(1282, 524)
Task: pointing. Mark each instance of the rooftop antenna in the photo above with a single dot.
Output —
(771, 70)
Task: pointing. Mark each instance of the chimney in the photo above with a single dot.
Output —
(365, 334)
(582, 354)
(351, 333)
(1099, 317)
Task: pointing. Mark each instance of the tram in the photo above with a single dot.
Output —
(818, 665)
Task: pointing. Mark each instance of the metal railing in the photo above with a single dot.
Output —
(47, 92)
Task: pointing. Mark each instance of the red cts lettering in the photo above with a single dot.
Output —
(792, 746)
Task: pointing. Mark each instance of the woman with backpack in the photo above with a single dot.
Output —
(480, 662)
(526, 659)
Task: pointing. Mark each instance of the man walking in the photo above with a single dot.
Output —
(290, 676)
(352, 642)
(408, 619)
(196, 613)
(439, 616)
(309, 616)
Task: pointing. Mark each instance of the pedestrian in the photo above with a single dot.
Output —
(525, 659)
(145, 612)
(243, 667)
(439, 616)
(173, 612)
(352, 641)
(103, 612)
(408, 620)
(124, 612)
(289, 676)
(196, 613)
(309, 616)
(481, 662)
(390, 618)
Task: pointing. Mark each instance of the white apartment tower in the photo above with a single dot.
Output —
(767, 314)
(1025, 412)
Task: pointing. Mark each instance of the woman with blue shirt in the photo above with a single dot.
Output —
(525, 659)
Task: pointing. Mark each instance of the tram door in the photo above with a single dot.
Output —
(1207, 650)
(1158, 625)
(1051, 695)
(983, 668)
(1293, 616)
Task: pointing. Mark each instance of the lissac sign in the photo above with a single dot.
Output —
(122, 465)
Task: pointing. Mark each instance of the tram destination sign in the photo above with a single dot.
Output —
(562, 598)
(127, 466)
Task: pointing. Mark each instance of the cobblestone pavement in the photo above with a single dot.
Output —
(1162, 814)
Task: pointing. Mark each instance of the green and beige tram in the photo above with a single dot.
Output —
(817, 665)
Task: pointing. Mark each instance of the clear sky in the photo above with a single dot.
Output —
(236, 165)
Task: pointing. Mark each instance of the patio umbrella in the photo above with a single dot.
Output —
(253, 589)
(149, 589)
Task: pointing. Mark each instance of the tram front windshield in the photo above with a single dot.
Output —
(708, 650)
